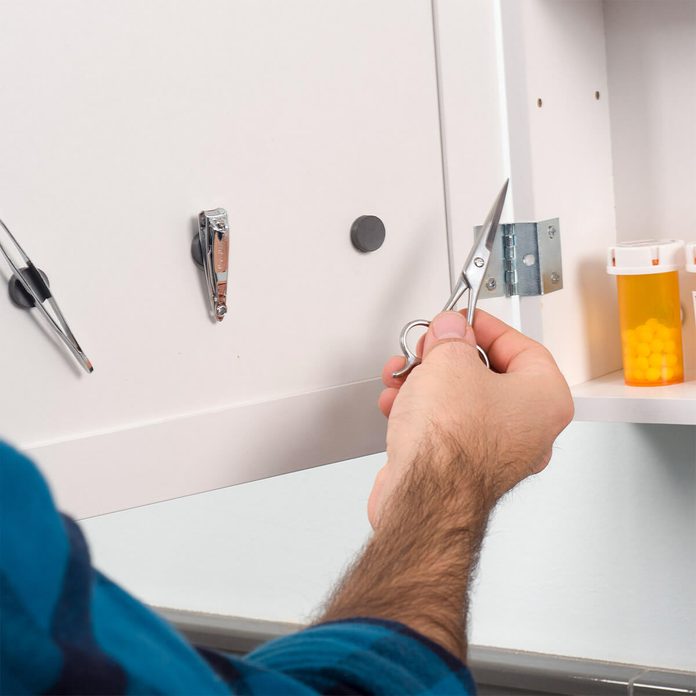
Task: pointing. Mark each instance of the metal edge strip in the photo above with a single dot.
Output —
(508, 670)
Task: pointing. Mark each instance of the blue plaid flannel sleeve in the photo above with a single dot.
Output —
(65, 628)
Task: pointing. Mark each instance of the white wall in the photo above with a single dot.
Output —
(597, 557)
(594, 558)
(267, 550)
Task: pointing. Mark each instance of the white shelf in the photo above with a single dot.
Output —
(609, 399)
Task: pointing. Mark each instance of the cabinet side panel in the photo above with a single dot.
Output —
(560, 152)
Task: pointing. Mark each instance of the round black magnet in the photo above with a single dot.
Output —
(19, 296)
(196, 252)
(367, 233)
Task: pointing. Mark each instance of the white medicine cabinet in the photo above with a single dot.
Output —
(596, 103)
(600, 108)
(118, 127)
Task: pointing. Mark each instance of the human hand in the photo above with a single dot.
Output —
(459, 437)
(497, 427)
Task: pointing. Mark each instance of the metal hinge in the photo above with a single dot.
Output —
(526, 260)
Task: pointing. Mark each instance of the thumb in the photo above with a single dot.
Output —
(448, 327)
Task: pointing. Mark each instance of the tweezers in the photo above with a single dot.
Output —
(33, 283)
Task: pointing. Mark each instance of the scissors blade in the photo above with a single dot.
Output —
(483, 245)
(476, 263)
(471, 279)
(476, 266)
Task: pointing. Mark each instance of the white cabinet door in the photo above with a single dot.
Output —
(120, 122)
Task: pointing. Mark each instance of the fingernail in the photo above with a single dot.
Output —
(449, 325)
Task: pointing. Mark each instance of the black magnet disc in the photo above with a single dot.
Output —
(19, 296)
(196, 252)
(367, 233)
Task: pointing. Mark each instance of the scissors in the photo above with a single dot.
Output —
(471, 279)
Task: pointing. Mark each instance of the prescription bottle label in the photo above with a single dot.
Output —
(651, 329)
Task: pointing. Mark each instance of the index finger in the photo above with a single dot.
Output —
(508, 349)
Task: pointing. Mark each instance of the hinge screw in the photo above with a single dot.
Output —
(552, 231)
(555, 278)
(491, 284)
(478, 262)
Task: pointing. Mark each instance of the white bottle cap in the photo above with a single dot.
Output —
(691, 257)
(646, 256)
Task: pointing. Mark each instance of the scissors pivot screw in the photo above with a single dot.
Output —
(479, 262)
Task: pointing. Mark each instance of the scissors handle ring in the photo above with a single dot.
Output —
(412, 359)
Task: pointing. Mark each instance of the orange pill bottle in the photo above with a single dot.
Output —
(647, 275)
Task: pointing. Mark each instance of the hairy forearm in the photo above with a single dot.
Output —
(417, 567)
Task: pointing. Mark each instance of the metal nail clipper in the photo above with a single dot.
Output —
(29, 288)
(210, 250)
(471, 278)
